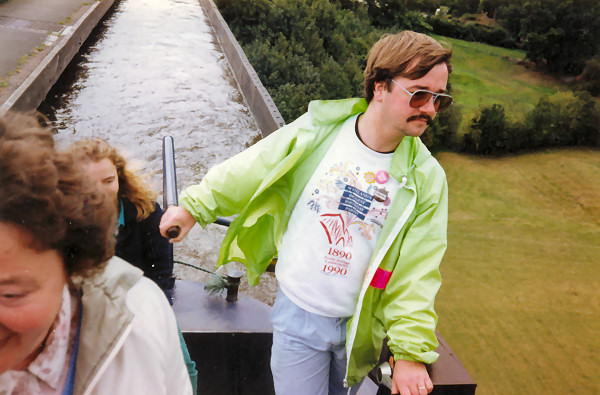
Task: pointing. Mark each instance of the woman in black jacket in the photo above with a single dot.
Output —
(139, 241)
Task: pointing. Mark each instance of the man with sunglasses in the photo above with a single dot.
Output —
(355, 207)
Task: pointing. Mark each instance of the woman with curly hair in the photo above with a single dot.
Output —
(139, 241)
(72, 319)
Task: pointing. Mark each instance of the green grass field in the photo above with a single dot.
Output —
(520, 302)
(484, 75)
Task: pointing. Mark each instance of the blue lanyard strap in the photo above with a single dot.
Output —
(70, 383)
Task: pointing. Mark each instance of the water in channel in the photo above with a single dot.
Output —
(152, 69)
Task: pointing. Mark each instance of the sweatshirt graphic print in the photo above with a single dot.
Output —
(334, 226)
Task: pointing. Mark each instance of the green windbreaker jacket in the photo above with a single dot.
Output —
(262, 185)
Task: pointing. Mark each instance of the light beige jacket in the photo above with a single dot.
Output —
(129, 343)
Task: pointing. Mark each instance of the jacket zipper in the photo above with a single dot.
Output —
(372, 268)
(109, 358)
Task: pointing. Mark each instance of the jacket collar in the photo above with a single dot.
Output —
(410, 153)
(129, 210)
(327, 112)
(105, 317)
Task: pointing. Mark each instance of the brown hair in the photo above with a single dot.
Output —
(46, 195)
(131, 185)
(407, 54)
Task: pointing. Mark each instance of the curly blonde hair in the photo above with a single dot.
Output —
(132, 186)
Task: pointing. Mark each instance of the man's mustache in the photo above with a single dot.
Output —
(424, 117)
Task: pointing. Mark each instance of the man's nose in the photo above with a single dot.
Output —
(429, 107)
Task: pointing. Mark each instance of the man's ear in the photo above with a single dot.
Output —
(379, 87)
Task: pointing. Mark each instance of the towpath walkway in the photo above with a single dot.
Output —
(38, 38)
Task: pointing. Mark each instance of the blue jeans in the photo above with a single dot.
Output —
(308, 354)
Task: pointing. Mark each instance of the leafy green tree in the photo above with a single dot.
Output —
(303, 50)
(394, 14)
(441, 135)
(584, 120)
(335, 82)
(589, 79)
(292, 99)
(385, 13)
(540, 124)
(429, 6)
(510, 18)
(564, 119)
(282, 62)
(561, 34)
(461, 7)
(492, 130)
(490, 7)
(244, 17)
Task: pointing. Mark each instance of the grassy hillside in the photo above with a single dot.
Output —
(520, 303)
(484, 75)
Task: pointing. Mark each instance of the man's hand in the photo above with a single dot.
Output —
(410, 378)
(176, 216)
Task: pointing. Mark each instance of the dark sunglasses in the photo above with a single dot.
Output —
(419, 98)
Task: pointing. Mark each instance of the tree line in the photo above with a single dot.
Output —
(560, 35)
(304, 50)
